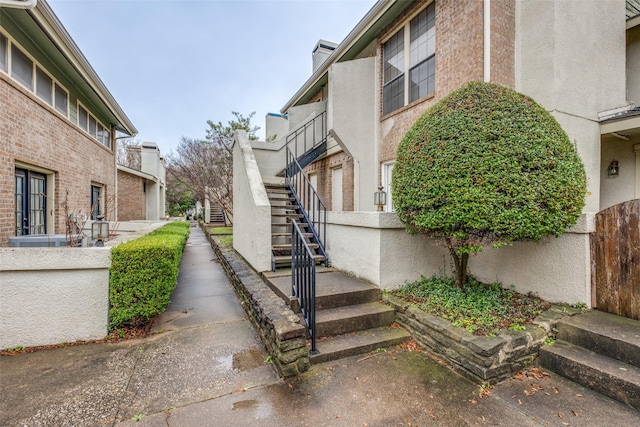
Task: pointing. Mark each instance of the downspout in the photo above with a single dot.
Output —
(487, 39)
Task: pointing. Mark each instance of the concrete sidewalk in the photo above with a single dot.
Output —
(208, 368)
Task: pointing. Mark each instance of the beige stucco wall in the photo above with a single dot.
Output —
(570, 57)
(352, 115)
(633, 65)
(251, 207)
(53, 295)
(618, 189)
(376, 247)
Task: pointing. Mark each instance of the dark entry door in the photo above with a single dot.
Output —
(31, 203)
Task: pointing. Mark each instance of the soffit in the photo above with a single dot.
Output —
(633, 9)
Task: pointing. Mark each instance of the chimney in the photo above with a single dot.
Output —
(321, 52)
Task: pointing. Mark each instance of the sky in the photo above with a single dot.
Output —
(174, 64)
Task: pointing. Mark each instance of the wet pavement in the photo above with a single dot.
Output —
(207, 367)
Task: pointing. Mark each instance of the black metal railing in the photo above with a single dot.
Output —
(303, 279)
(307, 136)
(313, 210)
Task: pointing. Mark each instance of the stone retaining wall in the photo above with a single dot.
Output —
(483, 359)
(279, 327)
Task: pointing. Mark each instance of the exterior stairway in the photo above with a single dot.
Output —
(600, 351)
(283, 210)
(350, 317)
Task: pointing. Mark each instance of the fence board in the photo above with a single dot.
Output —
(616, 261)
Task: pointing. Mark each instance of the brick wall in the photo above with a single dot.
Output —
(323, 169)
(131, 197)
(34, 134)
(459, 58)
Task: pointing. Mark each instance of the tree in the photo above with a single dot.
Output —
(179, 196)
(206, 166)
(128, 153)
(487, 165)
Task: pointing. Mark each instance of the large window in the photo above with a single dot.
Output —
(30, 198)
(21, 67)
(93, 127)
(4, 61)
(418, 38)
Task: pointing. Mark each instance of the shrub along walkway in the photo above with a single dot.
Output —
(209, 369)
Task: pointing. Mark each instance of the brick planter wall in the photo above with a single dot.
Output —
(279, 327)
(483, 359)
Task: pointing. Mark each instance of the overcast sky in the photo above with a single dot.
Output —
(174, 64)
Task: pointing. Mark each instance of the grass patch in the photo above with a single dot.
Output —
(219, 231)
(481, 309)
(226, 240)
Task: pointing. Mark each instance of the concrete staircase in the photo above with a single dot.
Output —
(283, 210)
(350, 317)
(601, 351)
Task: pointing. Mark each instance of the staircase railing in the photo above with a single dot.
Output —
(312, 208)
(303, 280)
(308, 135)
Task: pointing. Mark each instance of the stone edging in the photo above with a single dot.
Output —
(483, 359)
(278, 326)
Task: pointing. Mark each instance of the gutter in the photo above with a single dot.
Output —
(51, 25)
(19, 4)
(372, 16)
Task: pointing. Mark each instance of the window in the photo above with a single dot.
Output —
(4, 62)
(62, 100)
(83, 118)
(387, 174)
(44, 83)
(21, 67)
(419, 40)
(30, 198)
(95, 201)
(92, 126)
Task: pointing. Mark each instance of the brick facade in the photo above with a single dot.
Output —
(459, 58)
(323, 168)
(131, 197)
(35, 135)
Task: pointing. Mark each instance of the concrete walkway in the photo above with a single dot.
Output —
(208, 368)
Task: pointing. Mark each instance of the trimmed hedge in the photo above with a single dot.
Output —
(144, 273)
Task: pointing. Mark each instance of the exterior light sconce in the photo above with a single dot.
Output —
(100, 231)
(614, 169)
(380, 198)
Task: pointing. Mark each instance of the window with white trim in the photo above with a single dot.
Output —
(21, 67)
(418, 37)
(4, 59)
(91, 125)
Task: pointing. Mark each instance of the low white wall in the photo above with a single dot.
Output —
(53, 295)
(251, 207)
(376, 247)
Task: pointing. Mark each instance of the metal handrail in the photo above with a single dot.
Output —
(313, 209)
(310, 134)
(303, 280)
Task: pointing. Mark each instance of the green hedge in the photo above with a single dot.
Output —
(144, 273)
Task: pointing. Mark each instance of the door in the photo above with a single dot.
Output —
(616, 260)
(387, 173)
(31, 203)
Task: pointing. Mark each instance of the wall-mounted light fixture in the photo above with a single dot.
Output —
(100, 231)
(380, 198)
(613, 169)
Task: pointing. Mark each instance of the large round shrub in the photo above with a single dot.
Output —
(487, 165)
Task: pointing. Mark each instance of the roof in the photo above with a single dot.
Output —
(46, 30)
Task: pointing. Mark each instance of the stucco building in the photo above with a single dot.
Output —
(58, 124)
(579, 59)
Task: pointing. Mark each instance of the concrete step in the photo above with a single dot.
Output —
(338, 347)
(287, 246)
(288, 224)
(287, 215)
(345, 319)
(605, 375)
(286, 259)
(333, 289)
(610, 335)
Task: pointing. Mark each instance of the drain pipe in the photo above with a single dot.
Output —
(487, 40)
